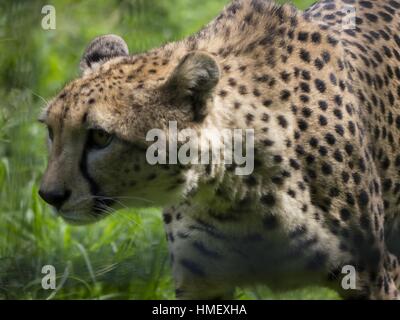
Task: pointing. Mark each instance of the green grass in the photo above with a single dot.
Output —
(125, 256)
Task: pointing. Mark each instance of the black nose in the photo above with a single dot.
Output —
(55, 198)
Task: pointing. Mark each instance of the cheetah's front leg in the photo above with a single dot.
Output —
(197, 262)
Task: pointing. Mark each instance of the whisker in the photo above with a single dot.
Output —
(38, 96)
(127, 217)
(134, 198)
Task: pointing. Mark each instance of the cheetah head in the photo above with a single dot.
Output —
(98, 125)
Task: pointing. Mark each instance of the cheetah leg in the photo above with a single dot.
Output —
(385, 288)
(198, 263)
(202, 292)
(195, 280)
(382, 285)
(392, 264)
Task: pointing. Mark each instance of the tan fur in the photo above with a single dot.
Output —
(325, 189)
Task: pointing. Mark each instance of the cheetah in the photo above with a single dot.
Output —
(321, 91)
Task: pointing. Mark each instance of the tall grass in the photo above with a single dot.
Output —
(124, 256)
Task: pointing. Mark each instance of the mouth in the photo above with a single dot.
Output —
(100, 209)
(77, 218)
(102, 205)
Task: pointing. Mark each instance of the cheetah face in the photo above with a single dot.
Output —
(98, 125)
(91, 172)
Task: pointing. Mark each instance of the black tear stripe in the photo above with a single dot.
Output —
(99, 205)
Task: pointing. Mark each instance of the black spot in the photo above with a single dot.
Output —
(338, 100)
(385, 163)
(385, 16)
(305, 55)
(387, 185)
(371, 17)
(345, 214)
(256, 93)
(267, 103)
(310, 159)
(302, 125)
(318, 64)
(268, 142)
(302, 36)
(349, 149)
(223, 93)
(316, 37)
(294, 164)
(326, 56)
(320, 85)
(339, 129)
(250, 181)
(330, 139)
(292, 193)
(363, 199)
(285, 94)
(345, 177)
(277, 180)
(300, 150)
(314, 142)
(350, 199)
(332, 41)
(394, 4)
(323, 105)
(249, 118)
(304, 87)
(326, 168)
(334, 192)
(338, 156)
(398, 122)
(350, 32)
(285, 76)
(338, 114)
(304, 98)
(268, 199)
(265, 117)
(323, 151)
(278, 159)
(232, 82)
(352, 128)
(306, 75)
(167, 218)
(282, 121)
(243, 90)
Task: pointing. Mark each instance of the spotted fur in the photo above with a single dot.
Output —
(323, 101)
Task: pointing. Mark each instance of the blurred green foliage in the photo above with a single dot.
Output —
(124, 256)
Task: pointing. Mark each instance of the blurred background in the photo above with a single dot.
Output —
(124, 257)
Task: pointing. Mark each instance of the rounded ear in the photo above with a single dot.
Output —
(193, 81)
(102, 49)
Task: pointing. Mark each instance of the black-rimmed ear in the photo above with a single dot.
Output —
(193, 81)
(102, 49)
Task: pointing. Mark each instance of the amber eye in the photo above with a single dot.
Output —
(99, 138)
